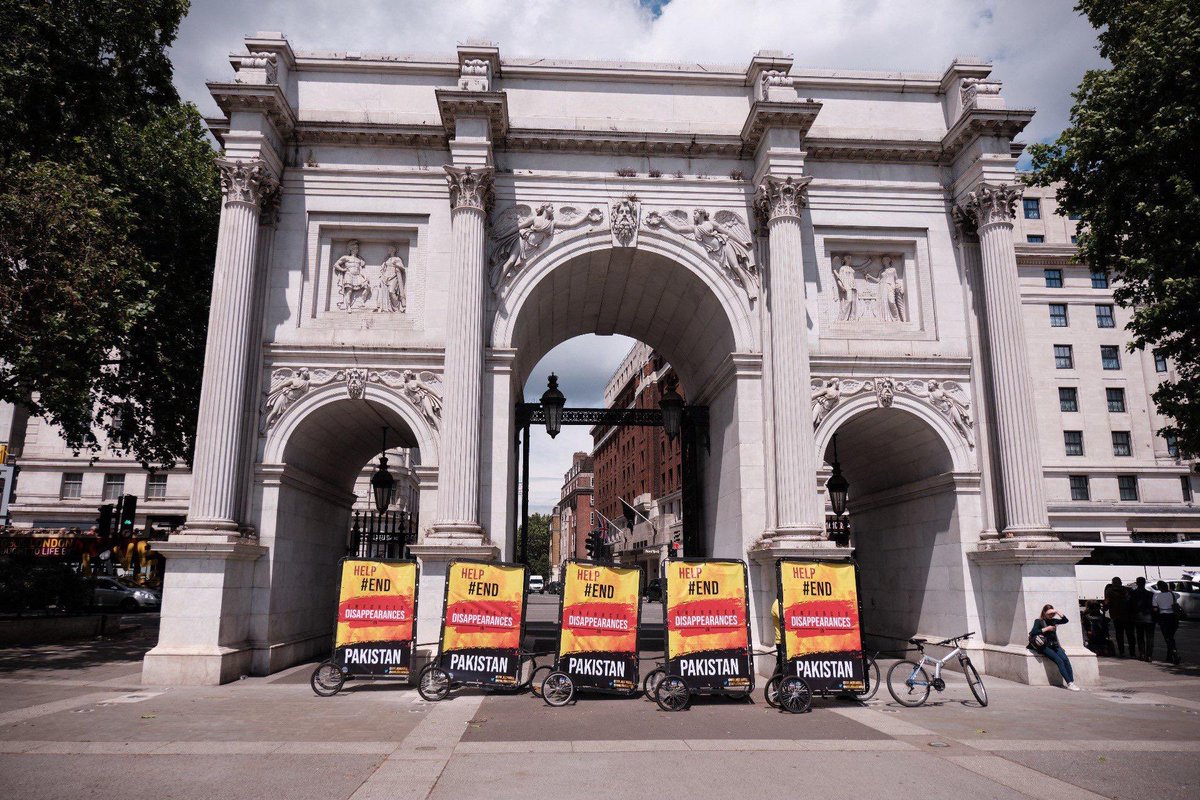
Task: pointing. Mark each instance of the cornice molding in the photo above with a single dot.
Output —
(765, 114)
(455, 103)
(976, 122)
(268, 99)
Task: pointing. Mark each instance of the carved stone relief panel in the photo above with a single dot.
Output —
(874, 287)
(949, 398)
(421, 389)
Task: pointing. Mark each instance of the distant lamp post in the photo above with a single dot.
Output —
(382, 482)
(672, 412)
(837, 485)
(552, 402)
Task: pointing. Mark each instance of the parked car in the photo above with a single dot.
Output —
(1188, 595)
(110, 593)
(554, 587)
(537, 584)
(654, 591)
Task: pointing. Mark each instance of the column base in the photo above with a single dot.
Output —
(1036, 533)
(166, 667)
(434, 555)
(457, 530)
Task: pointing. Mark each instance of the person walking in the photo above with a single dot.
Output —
(1140, 606)
(1043, 637)
(1165, 607)
(1116, 603)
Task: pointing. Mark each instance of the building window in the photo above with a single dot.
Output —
(1172, 445)
(1073, 216)
(72, 486)
(1160, 363)
(1033, 208)
(1110, 356)
(156, 486)
(114, 485)
(1080, 490)
(1074, 239)
(1068, 398)
(1053, 278)
(1127, 484)
(592, 519)
(1104, 317)
(1064, 357)
(1116, 400)
(1035, 238)
(1185, 484)
(1099, 278)
(1073, 442)
(1121, 443)
(1058, 315)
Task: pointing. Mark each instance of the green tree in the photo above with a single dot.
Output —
(109, 202)
(1128, 166)
(538, 545)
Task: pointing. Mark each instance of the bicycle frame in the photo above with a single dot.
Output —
(937, 665)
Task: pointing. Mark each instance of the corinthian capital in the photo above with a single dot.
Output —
(991, 203)
(470, 187)
(781, 197)
(246, 181)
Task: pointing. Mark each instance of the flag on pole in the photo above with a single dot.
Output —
(610, 529)
(631, 512)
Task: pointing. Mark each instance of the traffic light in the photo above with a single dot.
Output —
(128, 510)
(596, 548)
(105, 521)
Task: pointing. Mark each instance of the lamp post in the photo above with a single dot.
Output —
(552, 402)
(838, 487)
(672, 412)
(382, 482)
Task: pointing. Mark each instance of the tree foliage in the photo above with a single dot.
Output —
(538, 545)
(109, 201)
(1128, 165)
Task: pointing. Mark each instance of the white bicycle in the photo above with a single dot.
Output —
(909, 683)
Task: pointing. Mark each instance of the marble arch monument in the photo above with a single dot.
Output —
(404, 237)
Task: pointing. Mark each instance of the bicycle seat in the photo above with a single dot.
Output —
(917, 642)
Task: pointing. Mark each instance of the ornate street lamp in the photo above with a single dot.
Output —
(672, 411)
(382, 482)
(837, 485)
(552, 402)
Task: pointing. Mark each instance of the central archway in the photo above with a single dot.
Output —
(672, 298)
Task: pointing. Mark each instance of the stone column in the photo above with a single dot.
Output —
(216, 470)
(990, 208)
(458, 492)
(798, 510)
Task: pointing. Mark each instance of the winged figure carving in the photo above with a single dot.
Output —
(724, 236)
(521, 231)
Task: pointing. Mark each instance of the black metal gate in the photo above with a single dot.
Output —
(386, 535)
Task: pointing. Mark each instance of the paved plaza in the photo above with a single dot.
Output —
(76, 722)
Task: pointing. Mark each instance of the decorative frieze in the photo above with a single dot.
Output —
(521, 232)
(470, 187)
(245, 181)
(420, 389)
(724, 236)
(781, 197)
(950, 398)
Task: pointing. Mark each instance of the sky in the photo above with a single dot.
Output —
(1039, 49)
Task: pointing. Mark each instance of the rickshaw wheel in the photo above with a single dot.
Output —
(794, 695)
(672, 693)
(558, 689)
(433, 683)
(327, 679)
(651, 681)
(771, 690)
(537, 678)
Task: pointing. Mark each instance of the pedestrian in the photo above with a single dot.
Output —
(1116, 603)
(1095, 627)
(1043, 637)
(1165, 606)
(1140, 606)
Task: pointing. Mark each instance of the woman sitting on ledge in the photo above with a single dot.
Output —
(1043, 637)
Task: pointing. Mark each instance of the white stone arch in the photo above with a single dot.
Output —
(742, 319)
(427, 440)
(961, 454)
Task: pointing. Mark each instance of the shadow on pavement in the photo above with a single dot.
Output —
(138, 633)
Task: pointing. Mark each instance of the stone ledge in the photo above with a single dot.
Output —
(208, 547)
(1009, 551)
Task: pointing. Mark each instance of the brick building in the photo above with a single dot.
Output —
(576, 511)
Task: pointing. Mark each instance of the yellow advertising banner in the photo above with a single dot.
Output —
(600, 609)
(481, 631)
(822, 635)
(377, 609)
(706, 607)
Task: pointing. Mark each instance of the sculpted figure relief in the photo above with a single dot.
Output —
(869, 292)
(724, 236)
(286, 389)
(422, 395)
(943, 396)
(520, 232)
(392, 279)
(891, 291)
(352, 284)
(846, 277)
(825, 396)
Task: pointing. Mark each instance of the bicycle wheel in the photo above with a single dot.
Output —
(908, 683)
(327, 679)
(975, 682)
(771, 690)
(872, 680)
(433, 683)
(672, 693)
(536, 679)
(558, 689)
(794, 695)
(650, 682)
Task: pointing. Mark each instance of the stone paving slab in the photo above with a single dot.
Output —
(1157, 775)
(14, 696)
